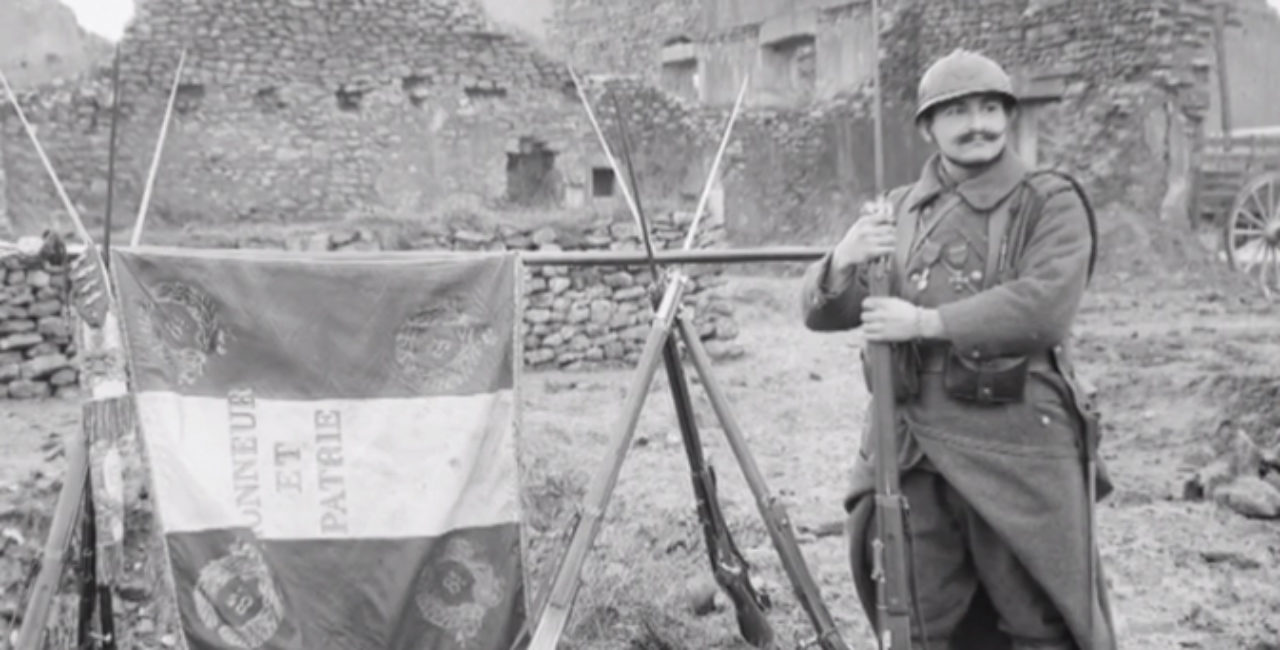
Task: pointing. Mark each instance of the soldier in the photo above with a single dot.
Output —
(989, 264)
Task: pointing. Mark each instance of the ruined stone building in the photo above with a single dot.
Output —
(331, 110)
(310, 110)
(331, 124)
(1117, 91)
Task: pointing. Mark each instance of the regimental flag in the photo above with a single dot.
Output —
(332, 444)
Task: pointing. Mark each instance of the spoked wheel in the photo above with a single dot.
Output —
(1253, 232)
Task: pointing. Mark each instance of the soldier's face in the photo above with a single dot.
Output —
(970, 131)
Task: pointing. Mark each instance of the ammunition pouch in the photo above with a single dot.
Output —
(994, 381)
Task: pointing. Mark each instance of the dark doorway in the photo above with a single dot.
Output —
(531, 175)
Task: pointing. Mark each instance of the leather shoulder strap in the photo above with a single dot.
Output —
(1006, 240)
(1007, 217)
(1088, 210)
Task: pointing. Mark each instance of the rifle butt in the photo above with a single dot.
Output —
(729, 568)
(753, 625)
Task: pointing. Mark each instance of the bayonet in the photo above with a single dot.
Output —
(728, 566)
(155, 156)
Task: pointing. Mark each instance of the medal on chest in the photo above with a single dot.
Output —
(922, 279)
(955, 256)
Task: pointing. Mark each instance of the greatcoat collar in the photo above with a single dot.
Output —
(982, 193)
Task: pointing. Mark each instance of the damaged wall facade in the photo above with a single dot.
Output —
(310, 111)
(320, 125)
(1116, 90)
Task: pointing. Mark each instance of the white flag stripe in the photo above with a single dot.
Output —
(332, 469)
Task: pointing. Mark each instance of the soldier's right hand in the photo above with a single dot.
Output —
(870, 237)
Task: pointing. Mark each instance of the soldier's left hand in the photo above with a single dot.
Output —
(889, 320)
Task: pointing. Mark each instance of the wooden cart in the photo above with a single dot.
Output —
(1239, 191)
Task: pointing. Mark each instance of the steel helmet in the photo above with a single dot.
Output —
(960, 74)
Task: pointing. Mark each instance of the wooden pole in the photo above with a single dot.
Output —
(705, 256)
(36, 615)
(1220, 55)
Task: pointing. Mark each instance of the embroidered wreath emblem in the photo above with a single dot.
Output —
(182, 323)
(441, 345)
(457, 591)
(236, 599)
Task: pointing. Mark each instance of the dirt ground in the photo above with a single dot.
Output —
(1172, 355)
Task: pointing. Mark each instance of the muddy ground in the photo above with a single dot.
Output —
(1174, 352)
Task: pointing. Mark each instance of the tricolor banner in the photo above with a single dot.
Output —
(332, 444)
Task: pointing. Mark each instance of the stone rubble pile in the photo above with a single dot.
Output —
(1241, 475)
(36, 328)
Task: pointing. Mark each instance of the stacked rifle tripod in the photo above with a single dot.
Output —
(730, 569)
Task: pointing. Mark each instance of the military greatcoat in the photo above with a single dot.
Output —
(1018, 465)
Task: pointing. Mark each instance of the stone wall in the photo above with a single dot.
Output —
(36, 336)
(314, 110)
(621, 37)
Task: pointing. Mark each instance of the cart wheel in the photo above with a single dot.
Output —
(1253, 232)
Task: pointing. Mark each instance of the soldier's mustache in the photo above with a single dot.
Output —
(986, 136)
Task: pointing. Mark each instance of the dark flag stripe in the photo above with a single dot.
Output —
(461, 590)
(299, 327)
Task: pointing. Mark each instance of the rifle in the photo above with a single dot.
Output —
(889, 555)
(730, 569)
(728, 566)
(774, 513)
(552, 613)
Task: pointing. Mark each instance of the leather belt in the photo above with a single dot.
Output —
(933, 358)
